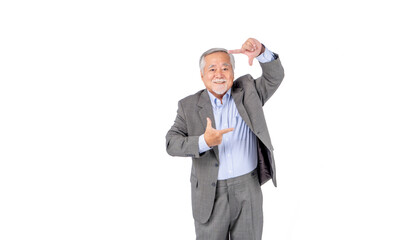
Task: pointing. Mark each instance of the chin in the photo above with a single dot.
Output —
(220, 90)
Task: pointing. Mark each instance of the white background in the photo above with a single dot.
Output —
(89, 89)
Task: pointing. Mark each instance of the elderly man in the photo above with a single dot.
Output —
(222, 128)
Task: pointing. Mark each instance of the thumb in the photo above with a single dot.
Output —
(251, 60)
(209, 123)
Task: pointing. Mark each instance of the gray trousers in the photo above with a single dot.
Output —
(237, 213)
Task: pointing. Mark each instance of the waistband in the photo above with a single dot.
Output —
(237, 180)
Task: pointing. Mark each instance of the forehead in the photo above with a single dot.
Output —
(217, 58)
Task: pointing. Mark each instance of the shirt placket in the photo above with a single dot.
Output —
(219, 121)
(226, 139)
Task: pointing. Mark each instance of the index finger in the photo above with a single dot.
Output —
(236, 51)
(227, 130)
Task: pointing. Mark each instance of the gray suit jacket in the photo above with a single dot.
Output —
(182, 139)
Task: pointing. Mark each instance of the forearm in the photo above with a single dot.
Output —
(177, 145)
(272, 76)
(178, 142)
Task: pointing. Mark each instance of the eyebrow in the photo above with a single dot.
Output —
(224, 64)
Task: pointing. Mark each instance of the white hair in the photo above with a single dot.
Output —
(214, 50)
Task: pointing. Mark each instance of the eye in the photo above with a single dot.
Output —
(225, 69)
(211, 70)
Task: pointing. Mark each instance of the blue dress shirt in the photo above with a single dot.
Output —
(238, 149)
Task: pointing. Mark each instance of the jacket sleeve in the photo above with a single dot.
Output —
(178, 143)
(272, 76)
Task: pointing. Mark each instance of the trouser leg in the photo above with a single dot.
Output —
(247, 216)
(217, 227)
(237, 212)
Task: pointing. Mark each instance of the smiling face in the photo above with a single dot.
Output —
(218, 73)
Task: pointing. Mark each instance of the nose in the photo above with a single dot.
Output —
(219, 74)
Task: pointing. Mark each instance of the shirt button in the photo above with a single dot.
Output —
(213, 184)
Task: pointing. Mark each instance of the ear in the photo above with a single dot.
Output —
(202, 75)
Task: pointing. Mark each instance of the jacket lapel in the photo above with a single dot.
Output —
(237, 94)
(206, 111)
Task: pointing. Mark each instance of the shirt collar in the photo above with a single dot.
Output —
(216, 102)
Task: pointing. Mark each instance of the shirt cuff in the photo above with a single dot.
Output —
(266, 56)
(202, 145)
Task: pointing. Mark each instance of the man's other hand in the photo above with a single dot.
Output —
(251, 48)
(212, 136)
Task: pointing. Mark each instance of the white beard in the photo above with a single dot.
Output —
(219, 88)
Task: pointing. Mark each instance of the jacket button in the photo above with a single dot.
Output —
(213, 184)
(216, 164)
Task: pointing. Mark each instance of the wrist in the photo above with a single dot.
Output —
(202, 144)
(262, 50)
(206, 142)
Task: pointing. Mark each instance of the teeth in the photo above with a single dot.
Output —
(218, 81)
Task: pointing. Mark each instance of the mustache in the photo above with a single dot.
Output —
(219, 80)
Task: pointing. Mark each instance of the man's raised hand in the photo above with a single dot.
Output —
(251, 48)
(212, 136)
